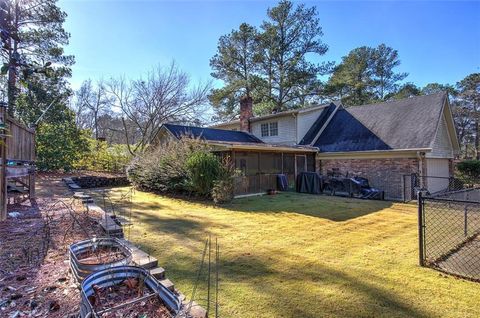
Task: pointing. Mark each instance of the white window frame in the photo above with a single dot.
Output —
(273, 128)
(264, 129)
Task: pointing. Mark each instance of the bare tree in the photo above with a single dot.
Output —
(165, 95)
(92, 102)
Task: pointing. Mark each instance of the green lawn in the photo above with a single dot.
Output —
(294, 255)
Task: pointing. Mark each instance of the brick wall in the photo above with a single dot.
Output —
(384, 174)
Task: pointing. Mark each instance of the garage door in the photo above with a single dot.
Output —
(437, 168)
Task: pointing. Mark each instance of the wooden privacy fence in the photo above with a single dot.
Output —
(20, 141)
(17, 172)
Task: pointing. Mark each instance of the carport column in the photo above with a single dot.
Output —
(422, 167)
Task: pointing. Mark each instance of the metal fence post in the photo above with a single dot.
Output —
(420, 229)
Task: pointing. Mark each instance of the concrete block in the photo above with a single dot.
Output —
(167, 283)
(158, 273)
(140, 258)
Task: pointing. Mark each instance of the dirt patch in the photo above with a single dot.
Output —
(465, 261)
(34, 268)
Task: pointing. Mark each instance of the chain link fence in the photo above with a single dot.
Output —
(449, 232)
(432, 185)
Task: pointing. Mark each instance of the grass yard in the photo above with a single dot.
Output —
(295, 255)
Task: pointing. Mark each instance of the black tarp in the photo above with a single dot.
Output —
(282, 182)
(309, 182)
(365, 190)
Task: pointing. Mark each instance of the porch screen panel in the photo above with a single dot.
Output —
(289, 168)
(247, 163)
(289, 163)
(311, 163)
(270, 163)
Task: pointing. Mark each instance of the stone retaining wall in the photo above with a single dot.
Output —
(98, 182)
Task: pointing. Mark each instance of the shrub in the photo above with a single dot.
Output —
(469, 169)
(59, 146)
(223, 187)
(104, 157)
(185, 166)
(164, 168)
(203, 169)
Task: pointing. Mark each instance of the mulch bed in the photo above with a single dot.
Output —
(134, 295)
(101, 255)
(34, 269)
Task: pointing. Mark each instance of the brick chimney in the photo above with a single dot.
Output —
(246, 112)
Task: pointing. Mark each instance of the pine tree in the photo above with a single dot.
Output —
(33, 39)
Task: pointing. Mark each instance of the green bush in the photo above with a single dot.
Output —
(104, 157)
(182, 167)
(469, 169)
(203, 169)
(163, 168)
(223, 187)
(59, 146)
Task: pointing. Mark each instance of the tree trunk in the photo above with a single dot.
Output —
(12, 94)
(12, 66)
(477, 140)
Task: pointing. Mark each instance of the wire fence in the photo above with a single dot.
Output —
(449, 232)
(414, 183)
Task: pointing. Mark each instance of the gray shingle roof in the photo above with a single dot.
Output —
(403, 124)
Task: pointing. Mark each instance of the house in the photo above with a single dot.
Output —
(258, 162)
(383, 142)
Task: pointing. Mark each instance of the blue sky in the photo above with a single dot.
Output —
(437, 41)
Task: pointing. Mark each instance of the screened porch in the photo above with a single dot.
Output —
(258, 170)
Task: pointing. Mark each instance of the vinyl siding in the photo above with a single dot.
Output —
(442, 146)
(305, 120)
(286, 130)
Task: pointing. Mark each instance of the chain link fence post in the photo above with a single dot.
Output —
(420, 229)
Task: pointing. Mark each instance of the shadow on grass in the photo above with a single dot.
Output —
(185, 228)
(328, 207)
(308, 291)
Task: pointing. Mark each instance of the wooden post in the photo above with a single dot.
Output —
(31, 185)
(3, 166)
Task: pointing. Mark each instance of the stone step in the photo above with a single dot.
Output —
(91, 206)
(167, 283)
(120, 219)
(158, 273)
(81, 196)
(140, 258)
(68, 180)
(109, 226)
(73, 186)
